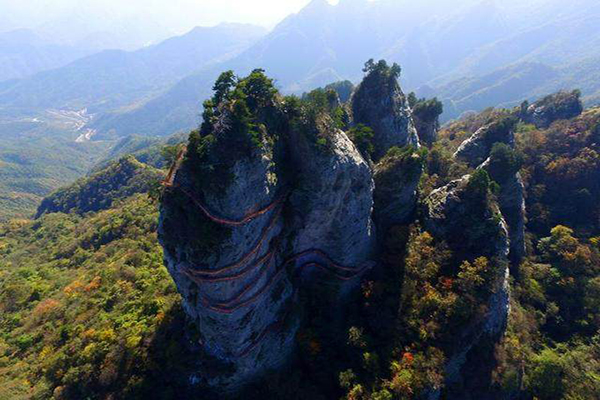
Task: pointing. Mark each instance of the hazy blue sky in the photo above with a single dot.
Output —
(176, 15)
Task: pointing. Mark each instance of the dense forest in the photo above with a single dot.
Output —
(88, 309)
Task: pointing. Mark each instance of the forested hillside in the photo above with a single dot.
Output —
(32, 167)
(87, 306)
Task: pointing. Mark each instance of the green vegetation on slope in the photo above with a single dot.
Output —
(31, 168)
(89, 311)
(84, 304)
(99, 191)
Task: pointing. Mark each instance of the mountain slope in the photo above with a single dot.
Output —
(436, 43)
(31, 168)
(100, 191)
(24, 53)
(112, 79)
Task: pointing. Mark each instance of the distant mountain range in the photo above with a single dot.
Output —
(114, 78)
(472, 56)
(24, 53)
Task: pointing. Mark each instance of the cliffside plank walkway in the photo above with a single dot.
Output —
(216, 275)
(168, 182)
(230, 222)
(228, 274)
(199, 275)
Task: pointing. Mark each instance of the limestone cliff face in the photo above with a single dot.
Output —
(426, 114)
(222, 249)
(426, 129)
(240, 254)
(334, 199)
(477, 148)
(379, 103)
(512, 204)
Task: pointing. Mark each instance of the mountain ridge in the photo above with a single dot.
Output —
(320, 58)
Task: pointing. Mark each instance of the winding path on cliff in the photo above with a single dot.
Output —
(217, 275)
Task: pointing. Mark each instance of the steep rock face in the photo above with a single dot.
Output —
(426, 114)
(427, 130)
(476, 149)
(397, 178)
(512, 205)
(228, 267)
(240, 254)
(561, 105)
(379, 103)
(333, 200)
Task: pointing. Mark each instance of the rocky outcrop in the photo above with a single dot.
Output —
(397, 178)
(427, 130)
(494, 228)
(222, 250)
(512, 205)
(471, 223)
(426, 114)
(503, 168)
(240, 254)
(477, 148)
(379, 103)
(466, 219)
(561, 105)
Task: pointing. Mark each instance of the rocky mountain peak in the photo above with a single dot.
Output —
(271, 199)
(379, 103)
(276, 207)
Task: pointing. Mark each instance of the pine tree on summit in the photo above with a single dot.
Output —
(223, 86)
(382, 67)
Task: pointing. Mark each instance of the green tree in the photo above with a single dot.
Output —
(504, 162)
(545, 380)
(259, 89)
(479, 183)
(369, 66)
(223, 87)
(363, 136)
(382, 68)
